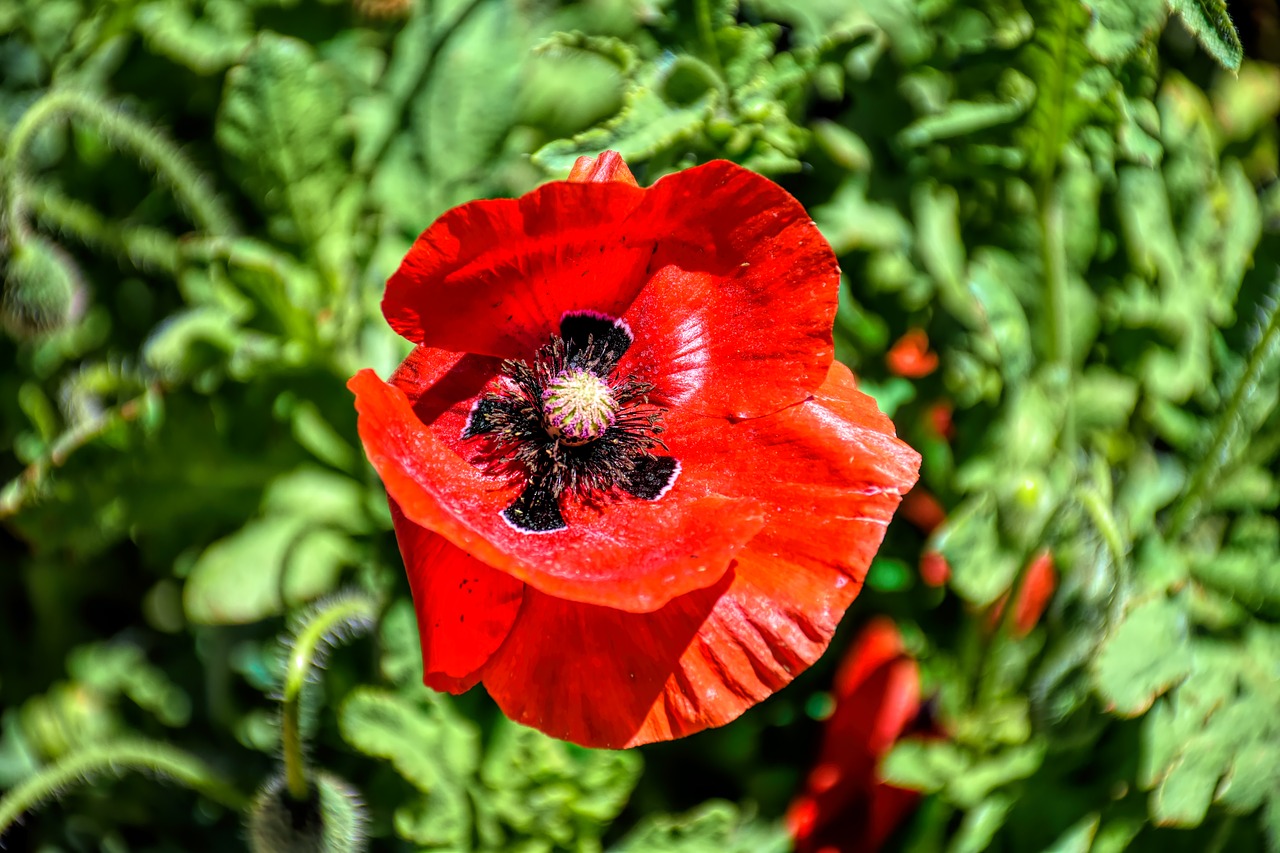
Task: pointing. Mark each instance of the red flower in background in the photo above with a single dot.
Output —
(845, 808)
(910, 356)
(633, 493)
(934, 569)
(923, 510)
(1033, 596)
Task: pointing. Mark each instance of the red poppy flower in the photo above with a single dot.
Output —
(939, 419)
(1033, 596)
(633, 492)
(923, 510)
(845, 807)
(934, 569)
(910, 356)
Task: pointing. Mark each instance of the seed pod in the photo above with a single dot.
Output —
(43, 289)
(330, 820)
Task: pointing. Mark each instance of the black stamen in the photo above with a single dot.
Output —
(580, 329)
(484, 417)
(514, 418)
(535, 511)
(651, 477)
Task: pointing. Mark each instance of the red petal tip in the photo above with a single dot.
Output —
(609, 166)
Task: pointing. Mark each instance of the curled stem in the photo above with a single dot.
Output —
(345, 612)
(158, 758)
(145, 248)
(188, 184)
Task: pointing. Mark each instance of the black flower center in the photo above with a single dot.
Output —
(568, 423)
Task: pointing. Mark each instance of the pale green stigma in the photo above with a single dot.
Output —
(578, 407)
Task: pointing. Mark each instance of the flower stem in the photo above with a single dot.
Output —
(707, 34)
(158, 758)
(1104, 522)
(16, 493)
(1215, 458)
(1055, 272)
(346, 612)
(189, 185)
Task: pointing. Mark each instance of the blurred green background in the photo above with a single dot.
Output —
(1077, 201)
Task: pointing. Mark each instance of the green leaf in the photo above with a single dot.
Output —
(543, 788)
(1142, 657)
(646, 124)
(1014, 94)
(268, 564)
(715, 825)
(281, 125)
(980, 825)
(1119, 27)
(206, 41)
(925, 765)
(981, 570)
(995, 771)
(430, 747)
(1077, 839)
(1210, 23)
(423, 736)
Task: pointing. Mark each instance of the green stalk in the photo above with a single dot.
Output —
(190, 187)
(707, 35)
(157, 758)
(1214, 459)
(342, 612)
(1055, 272)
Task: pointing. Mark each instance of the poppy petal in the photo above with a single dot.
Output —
(629, 554)
(818, 467)
(830, 473)
(609, 166)
(495, 277)
(736, 317)
(732, 312)
(465, 609)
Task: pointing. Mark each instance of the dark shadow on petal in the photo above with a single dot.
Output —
(466, 379)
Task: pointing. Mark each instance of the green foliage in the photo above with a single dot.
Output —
(526, 791)
(202, 199)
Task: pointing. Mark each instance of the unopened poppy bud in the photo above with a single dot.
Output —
(330, 820)
(923, 510)
(43, 290)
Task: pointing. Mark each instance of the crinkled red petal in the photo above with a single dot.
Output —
(725, 281)
(629, 554)
(465, 608)
(830, 474)
(844, 806)
(494, 277)
(609, 166)
(736, 317)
